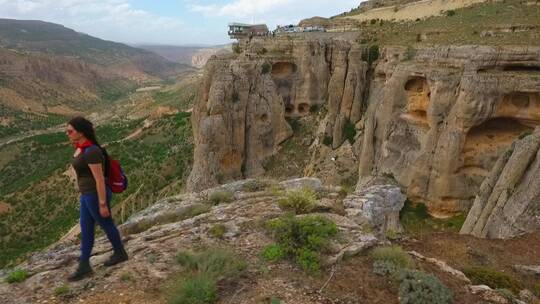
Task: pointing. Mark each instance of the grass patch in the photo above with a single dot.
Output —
(255, 186)
(299, 201)
(62, 290)
(17, 276)
(220, 196)
(201, 275)
(390, 261)
(302, 240)
(218, 231)
(492, 278)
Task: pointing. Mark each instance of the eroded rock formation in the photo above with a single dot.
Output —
(239, 117)
(436, 119)
(508, 203)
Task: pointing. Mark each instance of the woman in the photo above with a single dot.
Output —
(90, 162)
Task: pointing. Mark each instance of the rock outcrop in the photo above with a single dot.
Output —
(508, 203)
(435, 118)
(154, 236)
(439, 118)
(239, 116)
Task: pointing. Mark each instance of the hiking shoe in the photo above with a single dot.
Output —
(116, 257)
(82, 272)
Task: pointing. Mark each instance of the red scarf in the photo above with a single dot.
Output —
(87, 143)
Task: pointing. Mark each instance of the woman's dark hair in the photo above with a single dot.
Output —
(86, 128)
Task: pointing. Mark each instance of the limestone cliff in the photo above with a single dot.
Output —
(437, 118)
(239, 117)
(507, 203)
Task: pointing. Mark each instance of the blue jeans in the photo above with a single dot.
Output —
(89, 216)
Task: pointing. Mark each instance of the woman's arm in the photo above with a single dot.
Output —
(97, 172)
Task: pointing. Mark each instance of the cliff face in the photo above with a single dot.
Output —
(239, 117)
(437, 119)
(439, 122)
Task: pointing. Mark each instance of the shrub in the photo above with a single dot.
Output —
(392, 254)
(266, 68)
(274, 300)
(236, 48)
(195, 210)
(197, 290)
(220, 196)
(327, 141)
(417, 287)
(17, 276)
(255, 186)
(349, 131)
(492, 278)
(507, 294)
(298, 201)
(273, 253)
(203, 271)
(385, 268)
(125, 277)
(450, 13)
(218, 231)
(301, 239)
(62, 290)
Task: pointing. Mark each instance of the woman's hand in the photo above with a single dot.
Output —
(104, 210)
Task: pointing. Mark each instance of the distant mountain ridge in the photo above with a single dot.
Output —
(195, 56)
(47, 68)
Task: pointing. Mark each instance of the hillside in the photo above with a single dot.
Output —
(49, 72)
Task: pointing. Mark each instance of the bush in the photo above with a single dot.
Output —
(300, 239)
(255, 186)
(17, 276)
(62, 290)
(492, 278)
(450, 13)
(392, 254)
(266, 68)
(273, 253)
(125, 277)
(236, 48)
(218, 231)
(298, 201)
(349, 131)
(327, 141)
(417, 287)
(197, 290)
(410, 53)
(220, 196)
(203, 271)
(385, 268)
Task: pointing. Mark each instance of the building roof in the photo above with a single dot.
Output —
(245, 24)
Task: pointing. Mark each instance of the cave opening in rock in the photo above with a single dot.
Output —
(488, 140)
(418, 98)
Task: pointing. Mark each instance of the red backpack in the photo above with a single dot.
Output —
(116, 179)
(114, 175)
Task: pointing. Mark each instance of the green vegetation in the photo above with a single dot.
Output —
(393, 255)
(202, 272)
(370, 53)
(302, 240)
(255, 185)
(17, 276)
(62, 290)
(23, 122)
(298, 201)
(126, 277)
(44, 200)
(266, 68)
(349, 131)
(218, 231)
(220, 196)
(416, 220)
(417, 287)
(410, 53)
(461, 26)
(327, 141)
(492, 278)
